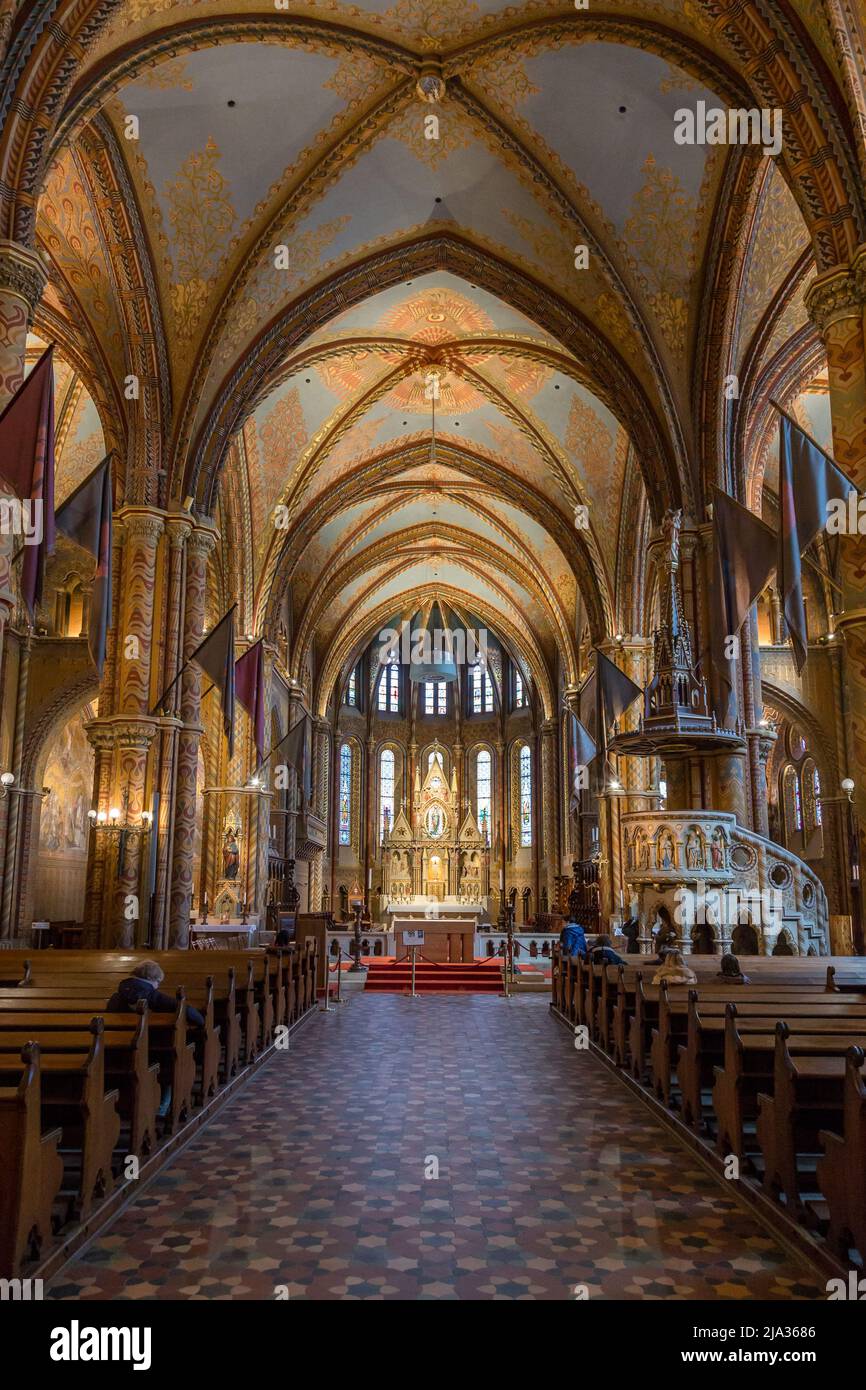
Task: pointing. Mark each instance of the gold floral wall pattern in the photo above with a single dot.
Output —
(202, 217)
(659, 236)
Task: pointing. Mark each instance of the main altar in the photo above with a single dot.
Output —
(434, 860)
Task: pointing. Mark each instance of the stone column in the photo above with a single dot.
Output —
(837, 305)
(198, 547)
(549, 794)
(178, 529)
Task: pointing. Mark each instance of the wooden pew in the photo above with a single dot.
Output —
(748, 1071)
(167, 1039)
(808, 1094)
(841, 1173)
(128, 1068)
(704, 1048)
(32, 1170)
(672, 1027)
(72, 1066)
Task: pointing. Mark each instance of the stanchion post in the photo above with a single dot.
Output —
(414, 950)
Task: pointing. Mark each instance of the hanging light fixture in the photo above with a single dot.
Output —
(432, 657)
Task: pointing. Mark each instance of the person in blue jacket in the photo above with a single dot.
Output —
(572, 940)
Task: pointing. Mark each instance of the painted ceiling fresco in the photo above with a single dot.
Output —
(272, 158)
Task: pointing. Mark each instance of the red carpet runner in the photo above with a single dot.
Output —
(393, 977)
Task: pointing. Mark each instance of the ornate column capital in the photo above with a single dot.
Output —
(178, 526)
(203, 538)
(143, 522)
(22, 273)
(838, 294)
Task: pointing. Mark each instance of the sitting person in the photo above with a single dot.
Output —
(143, 984)
(675, 971)
(604, 954)
(572, 939)
(631, 931)
(731, 972)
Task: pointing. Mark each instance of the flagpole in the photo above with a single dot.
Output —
(190, 658)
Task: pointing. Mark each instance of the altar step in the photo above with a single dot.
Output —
(395, 977)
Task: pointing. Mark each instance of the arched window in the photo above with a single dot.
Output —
(386, 790)
(811, 797)
(518, 690)
(435, 697)
(345, 810)
(352, 690)
(389, 689)
(525, 795)
(481, 691)
(483, 801)
(791, 801)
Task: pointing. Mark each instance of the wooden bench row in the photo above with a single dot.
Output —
(771, 1072)
(80, 1086)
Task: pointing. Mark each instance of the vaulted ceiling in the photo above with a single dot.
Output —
(308, 255)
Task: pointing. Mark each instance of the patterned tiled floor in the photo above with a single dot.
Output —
(550, 1176)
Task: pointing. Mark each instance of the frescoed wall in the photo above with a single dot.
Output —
(63, 824)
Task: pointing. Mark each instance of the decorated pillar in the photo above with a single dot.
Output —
(178, 528)
(198, 547)
(550, 801)
(837, 304)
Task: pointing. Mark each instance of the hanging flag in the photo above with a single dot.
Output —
(585, 746)
(250, 691)
(808, 481)
(744, 558)
(85, 518)
(27, 465)
(616, 691)
(216, 657)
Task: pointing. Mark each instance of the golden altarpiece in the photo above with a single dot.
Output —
(432, 854)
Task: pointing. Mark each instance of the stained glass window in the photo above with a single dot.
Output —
(389, 689)
(518, 690)
(386, 790)
(352, 690)
(435, 697)
(481, 691)
(484, 805)
(345, 793)
(525, 795)
(791, 800)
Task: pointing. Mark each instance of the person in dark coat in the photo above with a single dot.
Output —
(604, 954)
(631, 931)
(144, 984)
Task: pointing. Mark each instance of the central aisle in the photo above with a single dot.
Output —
(551, 1175)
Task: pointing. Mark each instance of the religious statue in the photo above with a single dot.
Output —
(644, 852)
(694, 851)
(629, 853)
(434, 822)
(717, 849)
(671, 523)
(231, 855)
(666, 851)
